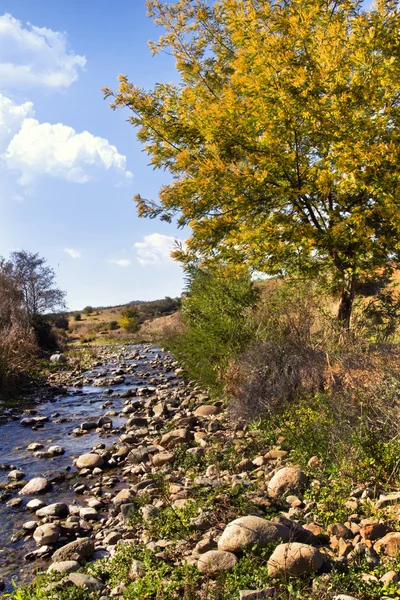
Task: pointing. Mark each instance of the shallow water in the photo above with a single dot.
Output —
(77, 406)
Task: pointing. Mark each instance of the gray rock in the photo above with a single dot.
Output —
(46, 534)
(128, 512)
(287, 480)
(58, 358)
(81, 549)
(88, 425)
(162, 459)
(35, 446)
(58, 509)
(65, 566)
(27, 422)
(207, 410)
(30, 526)
(294, 559)
(149, 512)
(383, 500)
(175, 437)
(16, 475)
(37, 485)
(104, 420)
(88, 514)
(86, 581)
(216, 561)
(35, 504)
(89, 461)
(55, 450)
(247, 531)
(14, 503)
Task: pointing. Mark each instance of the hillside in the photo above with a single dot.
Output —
(105, 322)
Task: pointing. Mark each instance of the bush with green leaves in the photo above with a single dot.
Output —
(129, 319)
(216, 326)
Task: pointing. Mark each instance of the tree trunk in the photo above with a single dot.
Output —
(346, 303)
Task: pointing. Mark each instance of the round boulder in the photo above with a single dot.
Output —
(16, 475)
(35, 504)
(294, 559)
(81, 549)
(215, 561)
(247, 531)
(89, 461)
(58, 509)
(46, 534)
(55, 451)
(65, 566)
(37, 485)
(207, 410)
(287, 480)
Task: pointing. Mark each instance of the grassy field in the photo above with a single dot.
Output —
(104, 323)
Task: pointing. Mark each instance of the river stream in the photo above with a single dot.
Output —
(139, 365)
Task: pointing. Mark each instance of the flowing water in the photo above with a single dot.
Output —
(71, 410)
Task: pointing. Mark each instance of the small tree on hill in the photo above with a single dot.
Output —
(129, 319)
(88, 310)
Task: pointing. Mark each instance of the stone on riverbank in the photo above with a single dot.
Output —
(216, 561)
(80, 550)
(247, 531)
(89, 461)
(37, 485)
(288, 479)
(294, 559)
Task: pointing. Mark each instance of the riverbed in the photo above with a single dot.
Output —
(139, 367)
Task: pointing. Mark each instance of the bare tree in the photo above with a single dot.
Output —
(17, 340)
(36, 282)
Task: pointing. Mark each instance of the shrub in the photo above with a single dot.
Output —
(271, 374)
(77, 316)
(60, 321)
(88, 310)
(288, 356)
(113, 325)
(44, 333)
(129, 319)
(216, 326)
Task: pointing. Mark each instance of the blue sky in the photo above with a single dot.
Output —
(69, 166)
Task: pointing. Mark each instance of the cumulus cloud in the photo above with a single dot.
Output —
(35, 57)
(155, 249)
(121, 262)
(11, 118)
(72, 252)
(55, 150)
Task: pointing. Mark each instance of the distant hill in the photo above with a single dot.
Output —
(101, 321)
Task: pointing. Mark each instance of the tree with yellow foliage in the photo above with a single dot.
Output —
(282, 136)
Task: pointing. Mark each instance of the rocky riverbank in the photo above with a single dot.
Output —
(184, 501)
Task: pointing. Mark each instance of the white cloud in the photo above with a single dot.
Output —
(156, 249)
(72, 252)
(59, 151)
(35, 57)
(121, 262)
(11, 118)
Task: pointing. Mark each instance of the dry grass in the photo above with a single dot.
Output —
(17, 340)
(159, 328)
